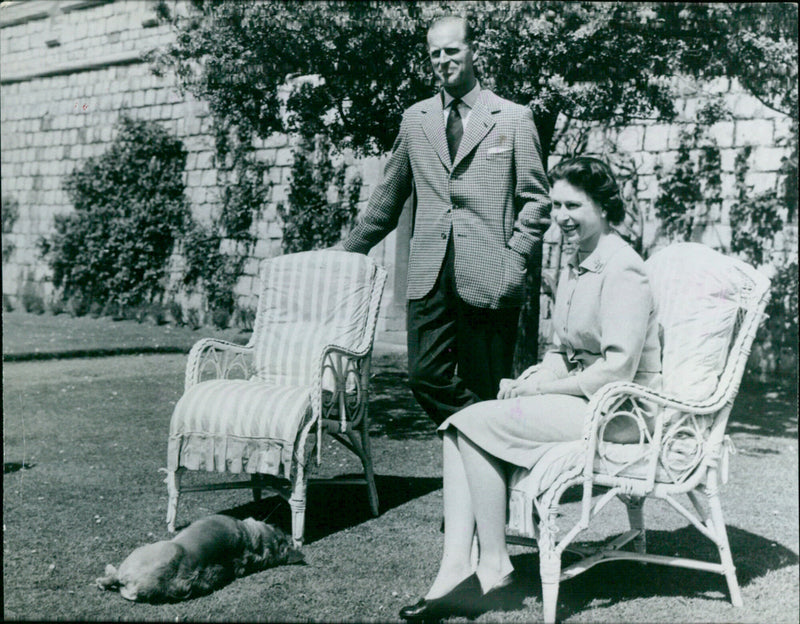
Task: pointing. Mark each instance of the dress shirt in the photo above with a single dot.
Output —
(464, 107)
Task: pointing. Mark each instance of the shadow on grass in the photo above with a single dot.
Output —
(334, 507)
(766, 408)
(393, 410)
(609, 583)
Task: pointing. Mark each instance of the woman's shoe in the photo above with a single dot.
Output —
(502, 595)
(461, 600)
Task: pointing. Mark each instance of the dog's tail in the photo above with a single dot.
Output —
(110, 580)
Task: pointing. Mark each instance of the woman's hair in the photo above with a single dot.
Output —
(595, 178)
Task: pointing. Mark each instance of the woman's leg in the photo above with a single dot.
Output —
(459, 521)
(487, 485)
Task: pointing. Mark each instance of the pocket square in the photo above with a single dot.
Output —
(498, 150)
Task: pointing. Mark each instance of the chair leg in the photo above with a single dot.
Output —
(724, 547)
(363, 451)
(297, 503)
(256, 481)
(635, 506)
(550, 571)
(173, 482)
(549, 566)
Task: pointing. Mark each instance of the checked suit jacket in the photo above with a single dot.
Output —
(493, 199)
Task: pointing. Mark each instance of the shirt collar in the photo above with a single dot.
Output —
(469, 100)
(606, 247)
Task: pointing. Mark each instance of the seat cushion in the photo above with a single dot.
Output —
(236, 425)
(697, 301)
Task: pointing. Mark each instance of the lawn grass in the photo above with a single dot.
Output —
(93, 435)
(83, 440)
(44, 336)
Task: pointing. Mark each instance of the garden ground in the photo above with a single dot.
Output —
(84, 438)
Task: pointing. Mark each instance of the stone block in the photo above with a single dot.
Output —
(728, 185)
(275, 230)
(728, 159)
(689, 109)
(716, 235)
(279, 193)
(723, 133)
(754, 132)
(194, 178)
(647, 187)
(783, 127)
(665, 162)
(720, 84)
(244, 286)
(760, 182)
(205, 160)
(209, 177)
(676, 134)
(656, 137)
(284, 156)
(745, 106)
(767, 158)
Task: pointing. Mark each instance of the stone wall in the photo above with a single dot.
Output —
(71, 67)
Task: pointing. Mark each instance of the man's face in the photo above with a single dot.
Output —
(452, 57)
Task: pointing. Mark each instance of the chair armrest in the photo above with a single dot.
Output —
(650, 410)
(347, 401)
(219, 356)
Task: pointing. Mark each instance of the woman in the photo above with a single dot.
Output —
(605, 330)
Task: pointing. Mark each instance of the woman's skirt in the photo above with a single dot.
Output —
(521, 429)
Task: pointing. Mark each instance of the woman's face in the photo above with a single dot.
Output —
(581, 220)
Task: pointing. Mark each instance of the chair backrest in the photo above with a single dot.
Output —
(310, 300)
(709, 307)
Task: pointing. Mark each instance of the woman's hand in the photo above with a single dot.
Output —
(510, 388)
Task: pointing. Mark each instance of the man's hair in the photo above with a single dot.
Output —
(469, 31)
(595, 178)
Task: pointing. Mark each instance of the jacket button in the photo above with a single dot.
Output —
(444, 235)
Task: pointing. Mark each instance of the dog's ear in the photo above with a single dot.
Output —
(110, 580)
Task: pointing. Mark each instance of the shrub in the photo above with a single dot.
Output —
(129, 210)
(32, 300)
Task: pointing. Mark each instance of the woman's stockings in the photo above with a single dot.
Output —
(487, 485)
(459, 521)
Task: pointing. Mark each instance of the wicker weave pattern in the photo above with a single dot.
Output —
(682, 447)
(249, 409)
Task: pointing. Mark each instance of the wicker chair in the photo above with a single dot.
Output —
(250, 409)
(709, 307)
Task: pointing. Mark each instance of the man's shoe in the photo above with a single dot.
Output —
(461, 600)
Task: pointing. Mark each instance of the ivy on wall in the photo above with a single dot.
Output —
(322, 204)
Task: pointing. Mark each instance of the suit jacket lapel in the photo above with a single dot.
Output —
(480, 122)
(433, 126)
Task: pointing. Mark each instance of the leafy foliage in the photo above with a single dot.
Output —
(608, 62)
(129, 210)
(9, 208)
(312, 220)
(687, 193)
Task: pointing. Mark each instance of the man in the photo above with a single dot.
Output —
(482, 206)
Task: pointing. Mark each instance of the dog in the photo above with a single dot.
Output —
(205, 556)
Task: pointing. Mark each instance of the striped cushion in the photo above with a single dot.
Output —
(697, 299)
(237, 426)
(310, 300)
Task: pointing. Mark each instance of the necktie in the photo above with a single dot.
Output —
(454, 130)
